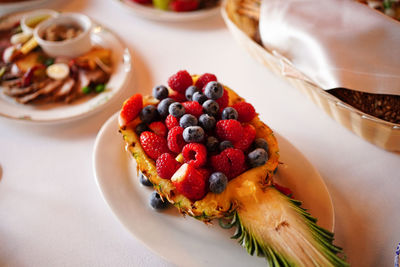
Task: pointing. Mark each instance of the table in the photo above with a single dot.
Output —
(52, 213)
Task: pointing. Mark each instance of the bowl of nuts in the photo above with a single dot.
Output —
(67, 35)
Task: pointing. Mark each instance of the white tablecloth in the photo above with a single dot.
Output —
(52, 213)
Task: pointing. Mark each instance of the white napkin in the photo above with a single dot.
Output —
(335, 43)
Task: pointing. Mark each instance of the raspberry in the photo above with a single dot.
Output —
(220, 163)
(130, 110)
(171, 122)
(205, 172)
(223, 101)
(193, 107)
(181, 80)
(245, 110)
(236, 159)
(158, 128)
(154, 145)
(184, 5)
(178, 97)
(195, 154)
(166, 166)
(231, 162)
(249, 133)
(175, 139)
(284, 190)
(204, 79)
(230, 130)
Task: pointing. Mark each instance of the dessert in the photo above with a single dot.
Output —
(179, 5)
(219, 164)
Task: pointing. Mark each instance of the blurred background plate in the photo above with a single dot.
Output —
(9, 7)
(61, 112)
(149, 12)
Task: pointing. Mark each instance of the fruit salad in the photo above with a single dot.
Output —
(179, 5)
(204, 150)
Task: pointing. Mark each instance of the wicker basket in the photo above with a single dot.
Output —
(379, 132)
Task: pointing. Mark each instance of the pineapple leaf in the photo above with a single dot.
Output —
(316, 243)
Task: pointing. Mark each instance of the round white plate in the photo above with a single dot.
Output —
(6, 8)
(161, 15)
(186, 241)
(61, 112)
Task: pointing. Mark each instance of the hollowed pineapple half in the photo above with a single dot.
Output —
(268, 222)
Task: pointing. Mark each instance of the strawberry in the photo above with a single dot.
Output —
(167, 165)
(154, 145)
(158, 128)
(130, 109)
(189, 182)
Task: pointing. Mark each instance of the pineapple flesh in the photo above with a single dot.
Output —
(267, 222)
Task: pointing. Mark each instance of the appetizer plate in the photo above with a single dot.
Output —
(61, 112)
(160, 15)
(185, 241)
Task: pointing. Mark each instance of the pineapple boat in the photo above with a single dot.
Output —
(205, 150)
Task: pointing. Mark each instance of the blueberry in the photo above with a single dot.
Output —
(225, 144)
(214, 90)
(163, 106)
(229, 113)
(211, 107)
(176, 109)
(207, 122)
(199, 97)
(160, 92)
(148, 114)
(143, 180)
(260, 143)
(257, 157)
(212, 143)
(187, 120)
(190, 91)
(140, 128)
(218, 182)
(193, 134)
(156, 202)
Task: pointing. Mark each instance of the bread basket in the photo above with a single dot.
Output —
(379, 132)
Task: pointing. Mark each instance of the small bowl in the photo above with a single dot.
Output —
(68, 48)
(33, 17)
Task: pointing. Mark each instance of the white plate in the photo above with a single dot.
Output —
(61, 112)
(186, 241)
(161, 15)
(6, 8)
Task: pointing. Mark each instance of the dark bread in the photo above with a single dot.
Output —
(385, 107)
